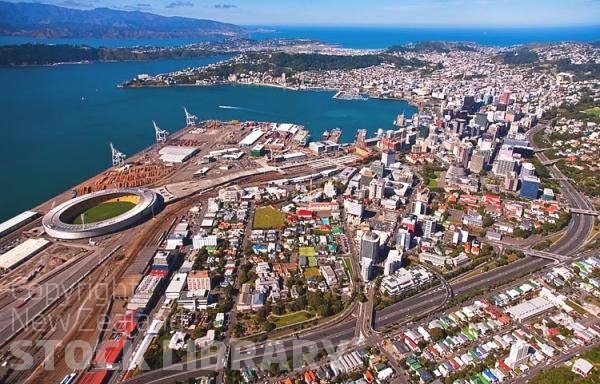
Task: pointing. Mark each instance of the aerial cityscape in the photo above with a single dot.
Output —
(292, 192)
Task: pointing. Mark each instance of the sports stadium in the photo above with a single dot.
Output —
(100, 213)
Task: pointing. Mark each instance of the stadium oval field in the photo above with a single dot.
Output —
(100, 213)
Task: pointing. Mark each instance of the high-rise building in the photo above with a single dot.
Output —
(504, 165)
(519, 353)
(403, 239)
(481, 119)
(393, 262)
(527, 169)
(400, 120)
(418, 208)
(530, 186)
(388, 157)
(504, 98)
(378, 168)
(429, 227)
(477, 162)
(376, 189)
(369, 246)
(468, 102)
(366, 269)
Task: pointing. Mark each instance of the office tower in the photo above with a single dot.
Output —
(403, 239)
(388, 157)
(366, 268)
(393, 262)
(477, 162)
(429, 227)
(527, 169)
(530, 186)
(369, 246)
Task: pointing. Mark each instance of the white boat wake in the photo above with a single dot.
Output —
(243, 109)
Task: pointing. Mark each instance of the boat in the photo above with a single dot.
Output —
(325, 135)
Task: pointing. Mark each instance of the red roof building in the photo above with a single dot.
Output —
(95, 377)
(305, 213)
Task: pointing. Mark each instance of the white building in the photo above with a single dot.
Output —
(393, 262)
(200, 241)
(435, 260)
(403, 239)
(231, 194)
(329, 189)
(519, 353)
(354, 208)
(175, 286)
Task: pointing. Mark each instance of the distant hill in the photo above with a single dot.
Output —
(43, 20)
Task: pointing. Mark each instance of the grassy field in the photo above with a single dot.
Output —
(593, 111)
(104, 212)
(348, 265)
(433, 183)
(268, 218)
(311, 272)
(307, 251)
(291, 318)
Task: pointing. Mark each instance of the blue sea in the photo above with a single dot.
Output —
(56, 121)
(362, 37)
(383, 37)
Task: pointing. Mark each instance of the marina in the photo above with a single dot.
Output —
(345, 95)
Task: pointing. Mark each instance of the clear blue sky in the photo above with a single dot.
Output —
(461, 13)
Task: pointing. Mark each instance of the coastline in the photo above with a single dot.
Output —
(411, 102)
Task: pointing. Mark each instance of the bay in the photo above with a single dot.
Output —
(371, 37)
(57, 121)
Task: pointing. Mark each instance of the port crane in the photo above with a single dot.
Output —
(190, 120)
(118, 157)
(161, 134)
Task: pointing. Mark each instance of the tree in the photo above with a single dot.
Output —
(274, 369)
(361, 297)
(488, 220)
(279, 308)
(437, 334)
(268, 326)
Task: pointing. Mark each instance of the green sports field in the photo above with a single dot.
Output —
(268, 218)
(104, 211)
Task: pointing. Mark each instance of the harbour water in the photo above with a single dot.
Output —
(362, 37)
(57, 121)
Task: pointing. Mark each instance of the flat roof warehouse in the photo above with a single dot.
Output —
(22, 252)
(252, 138)
(17, 221)
(173, 154)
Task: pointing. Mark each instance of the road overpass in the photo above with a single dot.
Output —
(585, 211)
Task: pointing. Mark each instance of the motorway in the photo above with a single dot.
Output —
(580, 225)
(345, 331)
